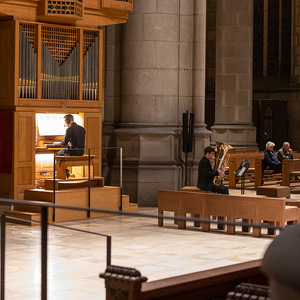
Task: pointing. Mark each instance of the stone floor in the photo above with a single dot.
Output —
(76, 259)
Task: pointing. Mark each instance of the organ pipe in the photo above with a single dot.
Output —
(60, 68)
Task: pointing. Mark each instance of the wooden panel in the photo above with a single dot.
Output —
(25, 174)
(24, 147)
(126, 5)
(92, 4)
(7, 64)
(25, 138)
(93, 127)
(107, 198)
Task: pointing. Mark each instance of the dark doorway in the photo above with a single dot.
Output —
(270, 120)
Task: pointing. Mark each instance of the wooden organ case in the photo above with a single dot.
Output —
(51, 55)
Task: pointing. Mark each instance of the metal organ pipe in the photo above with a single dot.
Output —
(60, 81)
(27, 67)
(90, 72)
(59, 70)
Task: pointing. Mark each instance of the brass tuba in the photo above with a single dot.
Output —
(221, 160)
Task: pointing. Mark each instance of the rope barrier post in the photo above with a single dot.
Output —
(108, 251)
(121, 177)
(89, 186)
(3, 257)
(53, 213)
(44, 252)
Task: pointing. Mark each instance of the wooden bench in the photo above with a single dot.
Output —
(275, 211)
(234, 162)
(204, 285)
(262, 175)
(290, 171)
(63, 162)
(246, 207)
(170, 201)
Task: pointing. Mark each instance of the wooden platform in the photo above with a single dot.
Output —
(63, 184)
(106, 198)
(276, 191)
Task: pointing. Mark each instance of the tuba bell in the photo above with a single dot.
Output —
(221, 160)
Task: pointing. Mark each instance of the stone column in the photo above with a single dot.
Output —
(202, 135)
(234, 44)
(150, 111)
(162, 76)
(111, 98)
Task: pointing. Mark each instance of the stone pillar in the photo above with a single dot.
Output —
(234, 47)
(112, 99)
(202, 135)
(162, 76)
(150, 107)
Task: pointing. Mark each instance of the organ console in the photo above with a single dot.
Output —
(51, 55)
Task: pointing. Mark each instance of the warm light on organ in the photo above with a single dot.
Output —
(51, 62)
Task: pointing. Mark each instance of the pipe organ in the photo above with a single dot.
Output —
(51, 55)
(60, 63)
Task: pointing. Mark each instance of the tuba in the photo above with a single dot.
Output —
(221, 160)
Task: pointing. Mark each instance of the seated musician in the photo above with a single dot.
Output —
(285, 152)
(74, 138)
(271, 160)
(206, 174)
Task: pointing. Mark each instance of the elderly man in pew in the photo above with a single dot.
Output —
(271, 160)
(206, 174)
(285, 152)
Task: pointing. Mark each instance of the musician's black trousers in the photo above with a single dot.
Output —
(220, 189)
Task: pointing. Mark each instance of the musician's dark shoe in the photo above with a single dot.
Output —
(67, 173)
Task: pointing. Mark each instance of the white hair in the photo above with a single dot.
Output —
(269, 144)
(285, 143)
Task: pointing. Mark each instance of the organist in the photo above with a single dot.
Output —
(74, 138)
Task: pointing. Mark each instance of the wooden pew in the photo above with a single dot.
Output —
(290, 170)
(246, 207)
(236, 158)
(170, 201)
(262, 175)
(275, 211)
(204, 285)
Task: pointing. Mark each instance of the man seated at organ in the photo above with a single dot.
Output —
(271, 160)
(74, 138)
(285, 152)
(206, 174)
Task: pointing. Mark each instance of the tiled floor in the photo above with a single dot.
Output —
(76, 259)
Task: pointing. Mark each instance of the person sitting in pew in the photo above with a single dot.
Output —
(285, 152)
(206, 174)
(271, 160)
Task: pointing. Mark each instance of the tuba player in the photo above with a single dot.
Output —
(206, 174)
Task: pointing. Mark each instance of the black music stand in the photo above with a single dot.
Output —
(241, 170)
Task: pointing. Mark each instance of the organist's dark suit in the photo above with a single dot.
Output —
(206, 176)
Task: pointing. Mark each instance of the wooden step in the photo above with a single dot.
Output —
(127, 206)
(29, 216)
